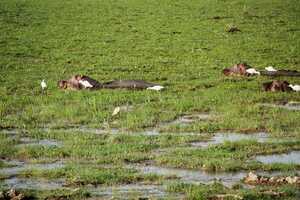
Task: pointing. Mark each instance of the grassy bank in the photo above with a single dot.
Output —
(182, 45)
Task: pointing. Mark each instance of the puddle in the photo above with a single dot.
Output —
(151, 132)
(133, 191)
(292, 157)
(195, 176)
(25, 141)
(228, 179)
(19, 166)
(12, 132)
(187, 119)
(81, 129)
(34, 184)
(288, 106)
(220, 138)
(182, 121)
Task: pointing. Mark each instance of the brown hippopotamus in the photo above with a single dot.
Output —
(276, 85)
(237, 69)
(79, 82)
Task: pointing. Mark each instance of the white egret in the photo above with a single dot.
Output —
(85, 83)
(295, 87)
(270, 69)
(156, 87)
(43, 84)
(252, 71)
(116, 111)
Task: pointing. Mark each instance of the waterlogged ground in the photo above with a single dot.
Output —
(197, 139)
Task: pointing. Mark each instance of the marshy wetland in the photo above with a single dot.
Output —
(197, 139)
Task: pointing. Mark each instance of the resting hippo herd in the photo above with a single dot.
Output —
(79, 82)
(242, 69)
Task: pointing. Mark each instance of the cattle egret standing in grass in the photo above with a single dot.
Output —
(116, 111)
(271, 69)
(156, 87)
(295, 87)
(85, 83)
(43, 84)
(252, 71)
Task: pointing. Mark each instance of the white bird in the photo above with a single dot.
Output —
(116, 111)
(156, 87)
(295, 87)
(270, 69)
(252, 71)
(43, 84)
(85, 83)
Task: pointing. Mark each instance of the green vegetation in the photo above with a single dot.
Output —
(182, 45)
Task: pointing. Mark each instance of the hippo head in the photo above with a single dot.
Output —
(226, 72)
(62, 84)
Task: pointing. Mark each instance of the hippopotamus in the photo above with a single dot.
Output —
(276, 85)
(237, 69)
(79, 82)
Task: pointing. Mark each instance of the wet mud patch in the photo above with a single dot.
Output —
(288, 106)
(189, 119)
(182, 121)
(292, 157)
(34, 184)
(12, 131)
(16, 166)
(13, 178)
(26, 141)
(133, 191)
(228, 179)
(23, 140)
(220, 138)
(82, 129)
(193, 176)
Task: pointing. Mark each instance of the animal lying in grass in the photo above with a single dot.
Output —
(237, 69)
(79, 82)
(282, 86)
(242, 69)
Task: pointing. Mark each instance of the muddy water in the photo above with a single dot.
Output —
(26, 141)
(288, 106)
(19, 166)
(228, 179)
(133, 191)
(194, 176)
(188, 119)
(34, 184)
(11, 131)
(220, 138)
(182, 121)
(81, 129)
(25, 183)
(292, 157)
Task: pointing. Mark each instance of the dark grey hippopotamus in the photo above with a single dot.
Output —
(79, 82)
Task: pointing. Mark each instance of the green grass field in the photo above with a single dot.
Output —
(182, 45)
